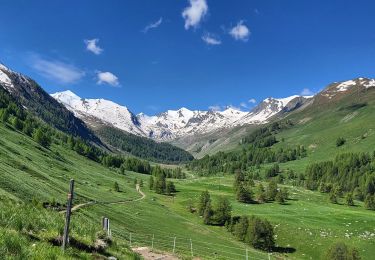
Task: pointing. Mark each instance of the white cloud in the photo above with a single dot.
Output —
(252, 101)
(240, 32)
(214, 108)
(306, 92)
(107, 78)
(210, 39)
(243, 104)
(194, 13)
(91, 45)
(56, 70)
(153, 25)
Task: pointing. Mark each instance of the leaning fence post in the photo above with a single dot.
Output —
(108, 229)
(68, 213)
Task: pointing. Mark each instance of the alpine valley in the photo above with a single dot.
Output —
(292, 178)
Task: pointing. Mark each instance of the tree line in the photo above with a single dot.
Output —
(229, 162)
(350, 174)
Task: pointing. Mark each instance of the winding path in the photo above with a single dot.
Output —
(90, 203)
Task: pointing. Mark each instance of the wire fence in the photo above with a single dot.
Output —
(189, 247)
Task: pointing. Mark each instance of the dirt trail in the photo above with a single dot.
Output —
(78, 206)
(149, 254)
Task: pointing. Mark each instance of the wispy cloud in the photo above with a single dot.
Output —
(92, 46)
(107, 78)
(56, 70)
(210, 39)
(153, 25)
(306, 92)
(240, 32)
(244, 105)
(194, 13)
(252, 101)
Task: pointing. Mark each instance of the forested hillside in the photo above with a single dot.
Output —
(142, 147)
(30, 95)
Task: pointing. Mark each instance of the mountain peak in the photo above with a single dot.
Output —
(3, 67)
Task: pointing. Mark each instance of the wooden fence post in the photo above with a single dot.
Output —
(68, 213)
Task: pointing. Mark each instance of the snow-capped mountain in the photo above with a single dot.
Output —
(104, 110)
(171, 124)
(337, 89)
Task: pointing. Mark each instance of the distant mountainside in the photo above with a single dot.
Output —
(31, 96)
(174, 124)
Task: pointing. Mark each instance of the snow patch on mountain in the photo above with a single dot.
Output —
(344, 86)
(171, 124)
(4, 78)
(370, 83)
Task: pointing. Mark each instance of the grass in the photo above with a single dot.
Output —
(308, 222)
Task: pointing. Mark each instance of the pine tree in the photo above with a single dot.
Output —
(244, 194)
(203, 201)
(261, 194)
(207, 214)
(272, 190)
(5, 115)
(260, 234)
(17, 123)
(240, 228)
(370, 202)
(349, 199)
(333, 197)
(223, 211)
(170, 188)
(116, 187)
(42, 138)
(151, 183)
(280, 198)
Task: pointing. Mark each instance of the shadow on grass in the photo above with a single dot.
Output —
(285, 250)
(80, 246)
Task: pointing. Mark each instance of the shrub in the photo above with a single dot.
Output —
(370, 202)
(340, 141)
(341, 251)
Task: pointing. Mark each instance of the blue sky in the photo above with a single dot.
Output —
(156, 55)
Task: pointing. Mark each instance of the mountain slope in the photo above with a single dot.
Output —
(31, 96)
(141, 147)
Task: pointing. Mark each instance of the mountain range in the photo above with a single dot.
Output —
(174, 124)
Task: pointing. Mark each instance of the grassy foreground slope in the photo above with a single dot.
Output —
(31, 175)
